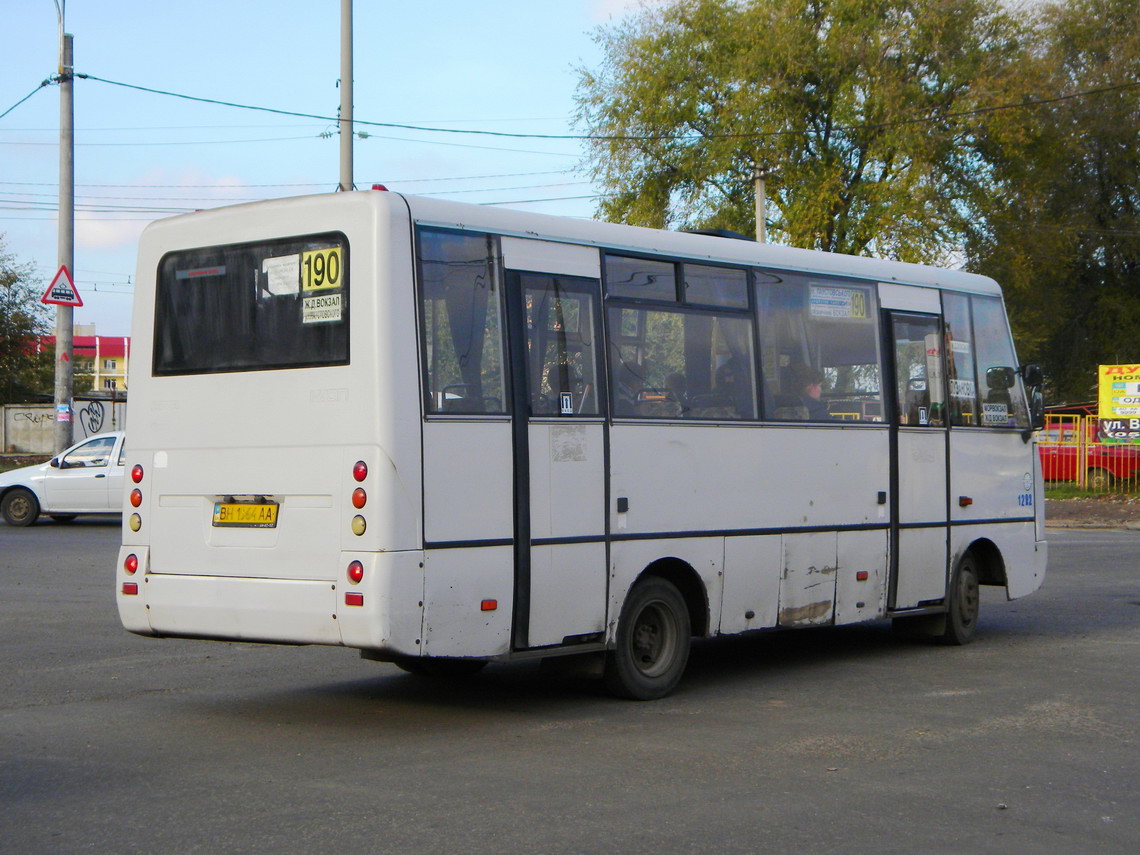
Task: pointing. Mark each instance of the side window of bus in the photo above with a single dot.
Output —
(691, 356)
(561, 342)
(461, 313)
(1000, 388)
(960, 360)
(819, 348)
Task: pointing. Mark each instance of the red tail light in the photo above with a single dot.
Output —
(355, 572)
(137, 473)
(131, 564)
(360, 470)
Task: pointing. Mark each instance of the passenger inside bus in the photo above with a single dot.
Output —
(808, 382)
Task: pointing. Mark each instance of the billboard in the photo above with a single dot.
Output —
(1119, 403)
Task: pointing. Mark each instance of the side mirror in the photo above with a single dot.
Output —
(1034, 379)
(1036, 408)
(55, 463)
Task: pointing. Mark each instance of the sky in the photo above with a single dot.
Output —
(493, 65)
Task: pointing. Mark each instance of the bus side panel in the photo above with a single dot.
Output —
(628, 558)
(720, 478)
(1023, 557)
(468, 481)
(999, 472)
(751, 594)
(387, 614)
(807, 585)
(995, 470)
(568, 592)
(857, 598)
(754, 569)
(468, 601)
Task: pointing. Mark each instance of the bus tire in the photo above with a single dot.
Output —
(440, 667)
(20, 507)
(652, 644)
(962, 603)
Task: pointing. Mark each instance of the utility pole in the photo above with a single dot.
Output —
(758, 177)
(345, 120)
(64, 315)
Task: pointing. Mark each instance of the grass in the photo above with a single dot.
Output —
(1069, 490)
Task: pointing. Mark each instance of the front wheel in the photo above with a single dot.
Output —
(20, 507)
(962, 601)
(652, 642)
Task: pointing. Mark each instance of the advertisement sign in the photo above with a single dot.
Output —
(1119, 403)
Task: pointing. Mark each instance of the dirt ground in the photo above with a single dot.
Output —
(1094, 512)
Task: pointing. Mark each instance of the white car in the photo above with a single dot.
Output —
(85, 479)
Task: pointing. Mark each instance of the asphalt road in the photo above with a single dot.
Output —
(847, 740)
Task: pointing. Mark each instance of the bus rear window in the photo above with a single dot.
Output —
(253, 306)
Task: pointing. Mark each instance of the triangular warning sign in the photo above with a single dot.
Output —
(62, 291)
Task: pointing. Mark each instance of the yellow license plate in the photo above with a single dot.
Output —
(246, 514)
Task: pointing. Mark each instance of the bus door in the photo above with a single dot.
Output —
(920, 527)
(554, 318)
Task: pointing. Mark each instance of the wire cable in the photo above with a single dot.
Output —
(1029, 102)
(43, 83)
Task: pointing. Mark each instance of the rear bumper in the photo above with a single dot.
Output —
(383, 612)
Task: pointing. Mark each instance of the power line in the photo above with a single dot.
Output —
(43, 83)
(304, 184)
(177, 142)
(1029, 102)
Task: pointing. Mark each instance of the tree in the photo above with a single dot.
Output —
(1064, 236)
(854, 104)
(24, 373)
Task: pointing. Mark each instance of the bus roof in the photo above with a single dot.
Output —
(614, 236)
(618, 237)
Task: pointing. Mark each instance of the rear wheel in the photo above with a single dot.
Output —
(962, 601)
(20, 507)
(652, 642)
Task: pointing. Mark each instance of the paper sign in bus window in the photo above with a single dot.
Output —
(321, 268)
(838, 303)
(961, 388)
(995, 414)
(323, 309)
(282, 274)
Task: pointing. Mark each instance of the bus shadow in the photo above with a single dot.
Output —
(394, 701)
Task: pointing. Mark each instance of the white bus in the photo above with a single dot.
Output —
(446, 434)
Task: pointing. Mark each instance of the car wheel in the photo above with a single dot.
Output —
(1098, 480)
(652, 646)
(20, 507)
(962, 601)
